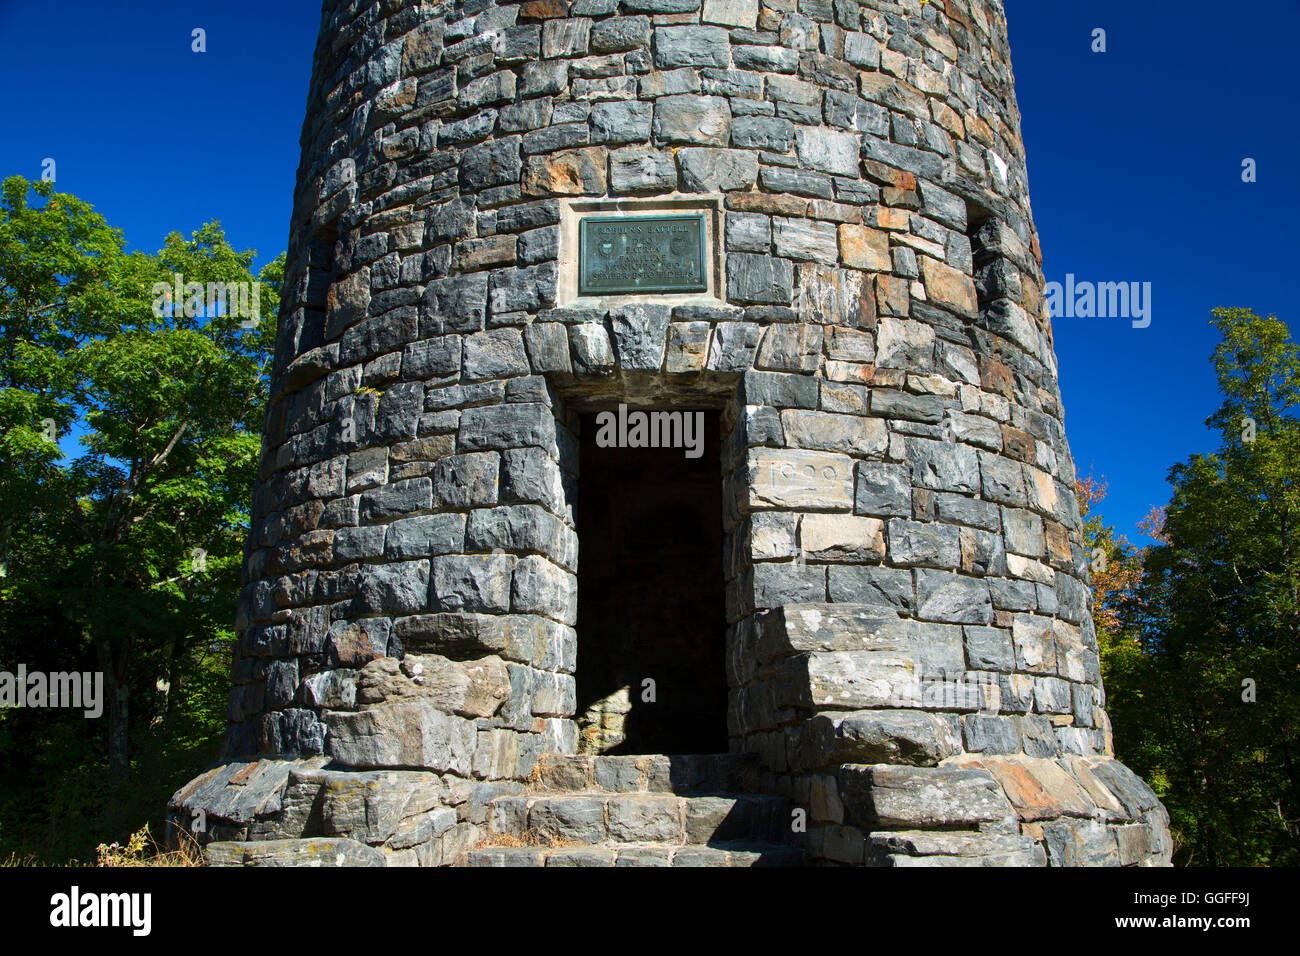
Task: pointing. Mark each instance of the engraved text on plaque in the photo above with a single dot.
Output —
(627, 254)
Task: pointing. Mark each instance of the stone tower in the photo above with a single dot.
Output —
(475, 630)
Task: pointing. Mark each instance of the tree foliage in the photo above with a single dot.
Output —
(129, 434)
(1202, 650)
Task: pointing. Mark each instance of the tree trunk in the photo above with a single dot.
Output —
(166, 684)
(118, 689)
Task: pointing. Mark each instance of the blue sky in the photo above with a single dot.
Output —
(1134, 163)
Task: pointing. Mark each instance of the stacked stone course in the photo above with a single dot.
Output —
(900, 498)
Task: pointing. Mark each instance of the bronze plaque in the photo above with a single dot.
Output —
(631, 254)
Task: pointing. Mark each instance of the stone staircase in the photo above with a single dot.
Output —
(648, 810)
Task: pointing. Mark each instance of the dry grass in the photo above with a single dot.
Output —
(143, 850)
(530, 838)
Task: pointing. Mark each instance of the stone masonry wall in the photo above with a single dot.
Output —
(910, 652)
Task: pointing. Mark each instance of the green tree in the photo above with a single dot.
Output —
(1203, 672)
(125, 558)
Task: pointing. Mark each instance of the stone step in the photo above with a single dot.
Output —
(640, 854)
(650, 773)
(591, 818)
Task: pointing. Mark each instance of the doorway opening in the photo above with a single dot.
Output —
(651, 593)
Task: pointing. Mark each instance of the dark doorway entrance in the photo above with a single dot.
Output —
(651, 597)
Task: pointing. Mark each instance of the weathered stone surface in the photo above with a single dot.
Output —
(507, 426)
(734, 346)
(921, 797)
(494, 163)
(989, 648)
(953, 598)
(948, 287)
(407, 732)
(620, 122)
(878, 736)
(804, 240)
(310, 852)
(801, 480)
(494, 354)
(641, 170)
(592, 352)
(578, 172)
(953, 848)
(620, 34)
(865, 248)
(802, 628)
(865, 437)
(942, 466)
(471, 689)
(704, 120)
(909, 649)
(732, 13)
(760, 280)
(886, 587)
(691, 46)
(398, 588)
(1080, 843)
(848, 679)
(843, 538)
(455, 304)
(639, 334)
(828, 151)
(922, 544)
(688, 347)
(472, 582)
(790, 348)
(717, 170)
(1039, 789)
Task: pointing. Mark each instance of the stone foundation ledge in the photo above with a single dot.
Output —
(307, 812)
(974, 810)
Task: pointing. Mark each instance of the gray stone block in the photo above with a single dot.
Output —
(920, 544)
(952, 598)
(639, 333)
(883, 490)
(716, 170)
(693, 46)
(641, 170)
(887, 587)
(397, 499)
(397, 588)
(989, 648)
(909, 737)
(592, 352)
(620, 34)
(620, 122)
(506, 426)
(477, 583)
(424, 536)
(942, 466)
(759, 280)
(921, 797)
(497, 353)
(702, 120)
